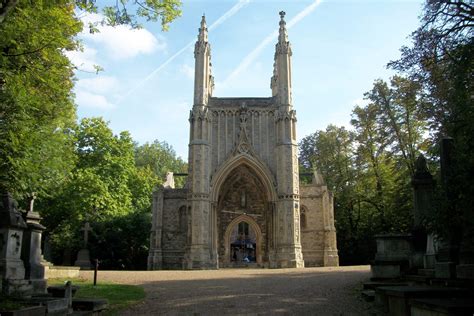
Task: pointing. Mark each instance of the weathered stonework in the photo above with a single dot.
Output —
(241, 203)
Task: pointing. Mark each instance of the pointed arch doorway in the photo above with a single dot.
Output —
(242, 242)
(243, 197)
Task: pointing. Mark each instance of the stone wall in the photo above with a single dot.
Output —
(170, 226)
(260, 128)
(175, 226)
(318, 238)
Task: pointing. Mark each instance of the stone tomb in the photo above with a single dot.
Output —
(243, 203)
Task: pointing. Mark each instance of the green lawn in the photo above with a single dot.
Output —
(120, 296)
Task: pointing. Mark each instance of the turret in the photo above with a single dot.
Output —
(203, 81)
(281, 80)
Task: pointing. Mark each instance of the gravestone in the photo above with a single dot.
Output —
(423, 185)
(12, 269)
(83, 256)
(447, 255)
(31, 250)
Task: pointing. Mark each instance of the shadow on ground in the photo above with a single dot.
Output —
(253, 292)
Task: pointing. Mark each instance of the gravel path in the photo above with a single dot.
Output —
(309, 291)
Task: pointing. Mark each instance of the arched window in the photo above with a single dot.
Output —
(182, 222)
(303, 222)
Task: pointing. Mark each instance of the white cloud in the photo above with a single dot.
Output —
(84, 60)
(98, 84)
(187, 70)
(92, 100)
(238, 6)
(121, 42)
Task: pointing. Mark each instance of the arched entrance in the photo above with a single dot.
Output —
(242, 242)
(243, 190)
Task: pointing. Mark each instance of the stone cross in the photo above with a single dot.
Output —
(86, 229)
(31, 201)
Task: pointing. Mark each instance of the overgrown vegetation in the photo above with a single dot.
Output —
(370, 167)
(79, 171)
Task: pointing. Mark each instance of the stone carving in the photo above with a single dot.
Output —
(169, 183)
(16, 241)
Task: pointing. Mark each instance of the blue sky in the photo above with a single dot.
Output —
(339, 48)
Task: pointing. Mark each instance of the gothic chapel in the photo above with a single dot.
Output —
(243, 204)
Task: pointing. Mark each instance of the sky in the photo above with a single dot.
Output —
(146, 87)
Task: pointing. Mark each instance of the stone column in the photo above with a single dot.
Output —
(423, 185)
(448, 252)
(201, 247)
(155, 255)
(331, 257)
(31, 252)
(287, 217)
(200, 250)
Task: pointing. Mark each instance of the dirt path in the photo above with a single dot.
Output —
(309, 291)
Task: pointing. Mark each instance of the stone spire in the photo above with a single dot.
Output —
(281, 80)
(282, 33)
(202, 37)
(203, 81)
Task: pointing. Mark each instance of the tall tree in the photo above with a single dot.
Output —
(116, 12)
(441, 59)
(37, 111)
(160, 158)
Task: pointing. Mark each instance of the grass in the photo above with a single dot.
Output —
(120, 296)
(8, 305)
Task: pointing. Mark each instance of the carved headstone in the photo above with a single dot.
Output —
(12, 269)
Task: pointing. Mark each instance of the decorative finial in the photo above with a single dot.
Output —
(203, 30)
(282, 37)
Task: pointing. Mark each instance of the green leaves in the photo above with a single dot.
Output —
(36, 108)
(369, 168)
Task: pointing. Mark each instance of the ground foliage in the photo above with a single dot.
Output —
(369, 168)
(119, 296)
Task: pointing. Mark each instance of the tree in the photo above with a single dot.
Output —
(160, 158)
(441, 60)
(37, 112)
(105, 188)
(117, 13)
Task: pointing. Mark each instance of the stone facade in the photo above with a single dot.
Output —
(242, 200)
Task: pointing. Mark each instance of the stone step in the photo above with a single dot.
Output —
(89, 304)
(395, 299)
(54, 305)
(368, 295)
(451, 282)
(82, 313)
(427, 272)
(423, 279)
(442, 306)
(374, 284)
